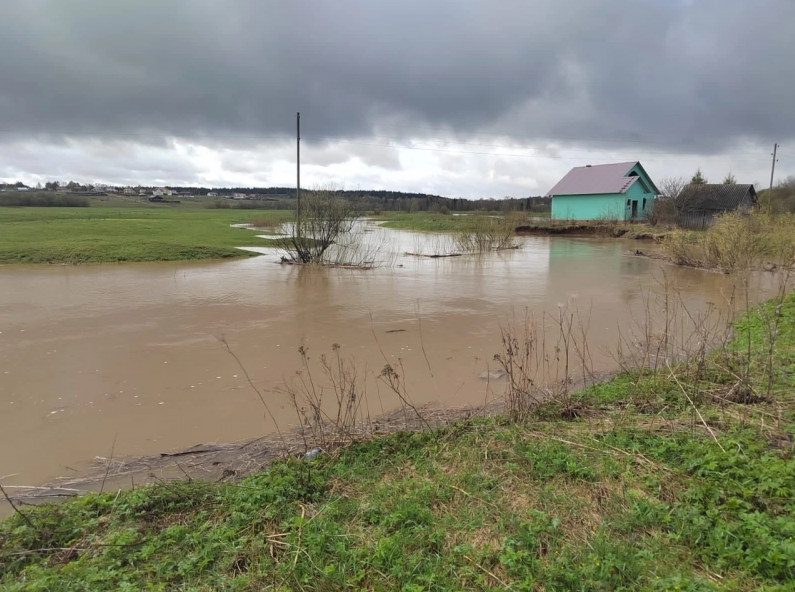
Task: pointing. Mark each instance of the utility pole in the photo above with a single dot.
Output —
(772, 172)
(298, 172)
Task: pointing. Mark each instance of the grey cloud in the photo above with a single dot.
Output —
(88, 161)
(698, 76)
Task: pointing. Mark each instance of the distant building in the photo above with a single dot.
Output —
(622, 191)
(162, 191)
(698, 204)
(212, 194)
(129, 191)
(23, 188)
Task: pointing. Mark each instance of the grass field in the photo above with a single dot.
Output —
(429, 222)
(123, 228)
(652, 485)
(123, 231)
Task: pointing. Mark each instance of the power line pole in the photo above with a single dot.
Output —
(298, 172)
(772, 172)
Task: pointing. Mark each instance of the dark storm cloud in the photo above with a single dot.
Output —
(684, 76)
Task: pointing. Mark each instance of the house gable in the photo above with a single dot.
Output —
(638, 171)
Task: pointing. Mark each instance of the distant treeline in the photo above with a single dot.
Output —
(392, 200)
(43, 200)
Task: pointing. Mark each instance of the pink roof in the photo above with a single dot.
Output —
(601, 178)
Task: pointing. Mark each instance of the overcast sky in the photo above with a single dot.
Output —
(456, 97)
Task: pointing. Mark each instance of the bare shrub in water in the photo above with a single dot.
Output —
(326, 219)
(489, 233)
(435, 245)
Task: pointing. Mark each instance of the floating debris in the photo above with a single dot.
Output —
(496, 375)
(313, 453)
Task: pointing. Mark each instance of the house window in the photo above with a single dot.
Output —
(629, 201)
(644, 203)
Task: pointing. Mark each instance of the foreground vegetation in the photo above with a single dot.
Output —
(679, 479)
(132, 233)
(737, 240)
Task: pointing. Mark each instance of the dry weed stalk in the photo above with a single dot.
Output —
(535, 373)
(318, 426)
(394, 380)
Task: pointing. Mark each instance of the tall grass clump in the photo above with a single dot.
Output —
(270, 220)
(683, 248)
(736, 241)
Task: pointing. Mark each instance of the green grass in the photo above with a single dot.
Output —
(428, 222)
(132, 232)
(633, 495)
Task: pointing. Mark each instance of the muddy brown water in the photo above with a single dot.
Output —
(92, 355)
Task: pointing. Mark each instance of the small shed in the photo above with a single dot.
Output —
(621, 191)
(698, 204)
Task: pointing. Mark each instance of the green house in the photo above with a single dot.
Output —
(622, 191)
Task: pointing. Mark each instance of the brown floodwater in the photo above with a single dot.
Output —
(92, 355)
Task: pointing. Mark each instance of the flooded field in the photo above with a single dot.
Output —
(131, 354)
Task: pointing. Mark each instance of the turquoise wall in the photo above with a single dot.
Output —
(602, 206)
(637, 192)
(607, 206)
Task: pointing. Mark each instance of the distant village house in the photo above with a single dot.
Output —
(698, 204)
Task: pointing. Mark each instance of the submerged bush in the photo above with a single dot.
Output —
(489, 233)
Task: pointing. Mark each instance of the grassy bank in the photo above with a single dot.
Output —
(112, 234)
(523, 223)
(681, 479)
(430, 222)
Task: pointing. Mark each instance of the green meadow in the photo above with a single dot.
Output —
(105, 233)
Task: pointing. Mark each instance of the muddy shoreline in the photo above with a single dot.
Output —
(235, 460)
(635, 232)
